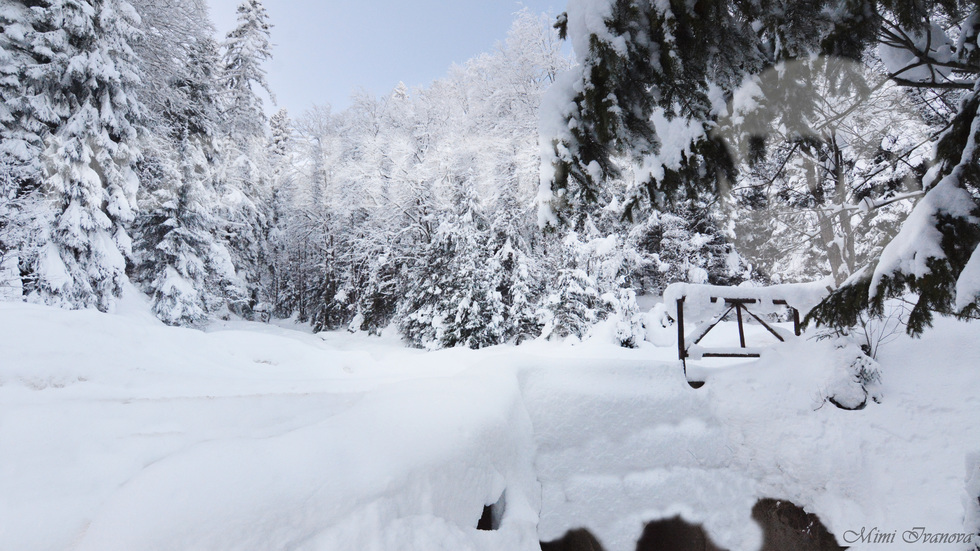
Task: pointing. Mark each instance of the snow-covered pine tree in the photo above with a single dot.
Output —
(21, 130)
(454, 299)
(183, 266)
(23, 123)
(512, 241)
(246, 48)
(653, 77)
(640, 63)
(280, 144)
(378, 268)
(684, 243)
(287, 245)
(280, 134)
(571, 303)
(187, 272)
(80, 82)
(245, 174)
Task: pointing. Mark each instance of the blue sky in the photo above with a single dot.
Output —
(327, 49)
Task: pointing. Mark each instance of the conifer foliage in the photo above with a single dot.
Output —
(655, 78)
(73, 116)
(132, 148)
(247, 47)
(244, 178)
(181, 263)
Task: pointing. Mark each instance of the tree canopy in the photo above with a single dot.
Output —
(656, 81)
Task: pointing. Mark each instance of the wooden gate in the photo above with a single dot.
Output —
(752, 302)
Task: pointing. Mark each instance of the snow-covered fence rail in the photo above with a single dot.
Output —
(707, 305)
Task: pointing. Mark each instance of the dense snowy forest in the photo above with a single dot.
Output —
(226, 326)
(525, 194)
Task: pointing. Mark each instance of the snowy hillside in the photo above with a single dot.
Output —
(120, 433)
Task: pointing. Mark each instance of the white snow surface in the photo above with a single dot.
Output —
(117, 432)
(587, 18)
(968, 284)
(905, 64)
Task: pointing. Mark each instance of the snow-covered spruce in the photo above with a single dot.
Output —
(70, 120)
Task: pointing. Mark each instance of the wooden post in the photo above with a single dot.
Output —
(681, 350)
(741, 329)
(796, 322)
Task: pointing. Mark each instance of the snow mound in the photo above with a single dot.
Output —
(133, 435)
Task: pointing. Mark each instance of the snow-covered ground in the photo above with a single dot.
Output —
(120, 433)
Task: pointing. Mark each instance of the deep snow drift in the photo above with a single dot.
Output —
(117, 432)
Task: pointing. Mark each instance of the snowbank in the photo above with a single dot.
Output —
(132, 435)
(120, 433)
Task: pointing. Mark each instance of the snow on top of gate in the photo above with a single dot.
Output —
(698, 306)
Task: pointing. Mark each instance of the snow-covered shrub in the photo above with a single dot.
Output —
(629, 326)
(875, 331)
(571, 306)
(10, 284)
(856, 377)
(658, 328)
